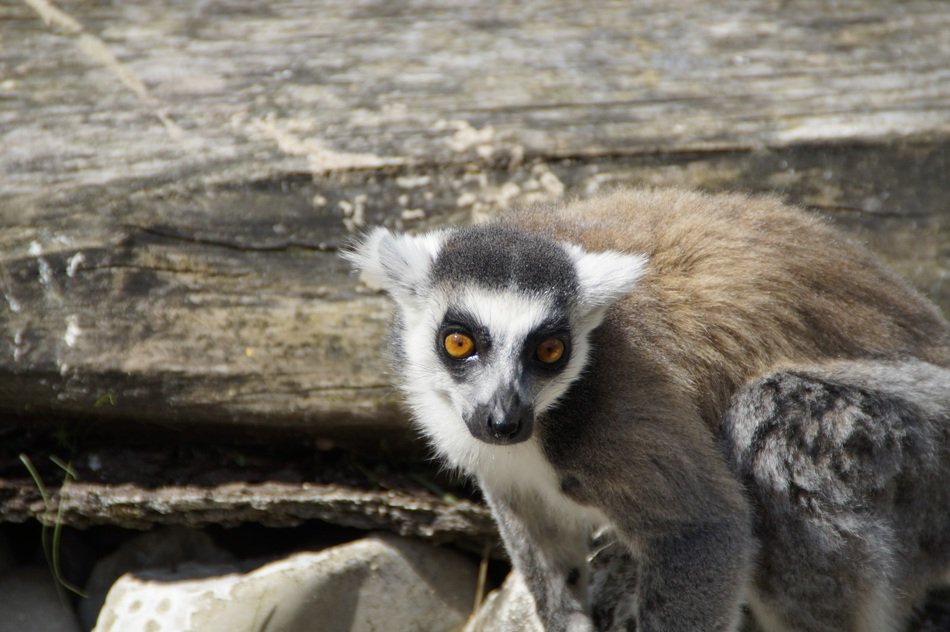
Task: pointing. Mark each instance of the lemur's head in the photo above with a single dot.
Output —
(492, 325)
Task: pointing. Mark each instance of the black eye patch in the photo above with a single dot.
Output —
(459, 322)
(558, 329)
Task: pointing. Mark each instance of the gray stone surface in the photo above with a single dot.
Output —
(30, 602)
(174, 549)
(508, 608)
(370, 585)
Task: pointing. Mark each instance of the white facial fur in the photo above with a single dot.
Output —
(511, 317)
(437, 400)
(400, 264)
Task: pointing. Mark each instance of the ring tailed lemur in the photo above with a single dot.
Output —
(755, 406)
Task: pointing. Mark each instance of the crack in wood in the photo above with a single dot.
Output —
(883, 213)
(207, 272)
(178, 235)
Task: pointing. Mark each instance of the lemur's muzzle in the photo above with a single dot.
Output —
(506, 419)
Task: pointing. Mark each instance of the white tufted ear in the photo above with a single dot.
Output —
(606, 276)
(396, 263)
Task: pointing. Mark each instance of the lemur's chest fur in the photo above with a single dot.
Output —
(522, 472)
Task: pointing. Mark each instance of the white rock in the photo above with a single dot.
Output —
(371, 585)
(29, 602)
(167, 548)
(510, 607)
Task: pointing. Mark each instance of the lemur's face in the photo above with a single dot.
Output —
(492, 326)
(498, 357)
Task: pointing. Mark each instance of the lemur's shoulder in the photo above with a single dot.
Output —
(735, 285)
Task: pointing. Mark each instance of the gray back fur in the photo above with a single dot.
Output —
(848, 469)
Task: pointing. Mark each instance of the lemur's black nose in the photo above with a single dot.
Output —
(503, 427)
(508, 415)
(505, 419)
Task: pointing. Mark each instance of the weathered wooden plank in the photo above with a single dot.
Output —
(162, 475)
(273, 504)
(180, 318)
(101, 92)
(176, 179)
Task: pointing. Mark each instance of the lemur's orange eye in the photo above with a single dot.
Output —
(550, 350)
(459, 345)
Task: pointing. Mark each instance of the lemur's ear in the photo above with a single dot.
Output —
(397, 263)
(605, 276)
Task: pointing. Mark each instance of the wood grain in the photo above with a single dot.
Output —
(177, 178)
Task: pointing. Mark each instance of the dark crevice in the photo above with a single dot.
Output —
(889, 214)
(131, 266)
(179, 235)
